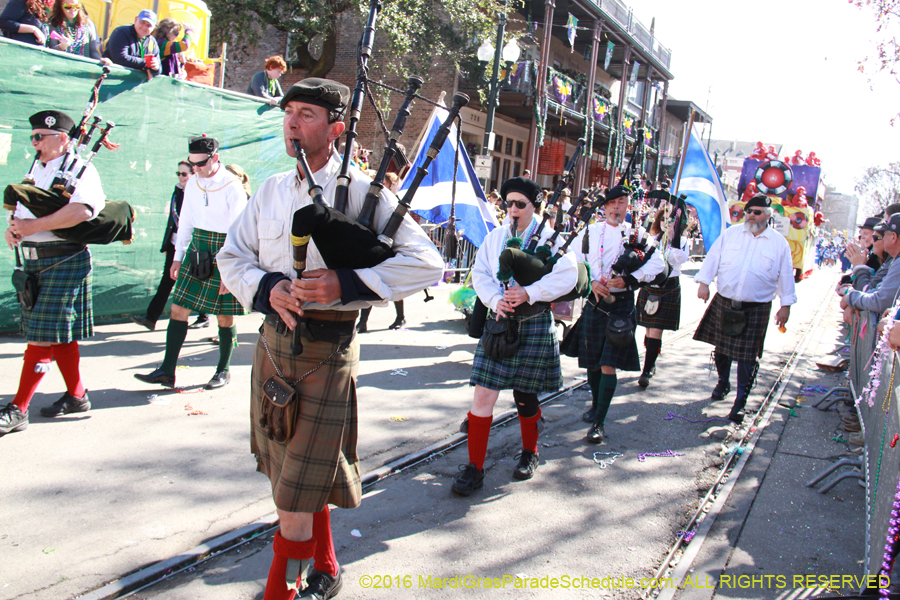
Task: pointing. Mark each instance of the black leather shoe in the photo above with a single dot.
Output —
(398, 323)
(644, 380)
(528, 464)
(472, 479)
(200, 323)
(144, 322)
(322, 586)
(361, 327)
(220, 379)
(736, 417)
(721, 390)
(158, 376)
(67, 404)
(589, 415)
(12, 419)
(596, 434)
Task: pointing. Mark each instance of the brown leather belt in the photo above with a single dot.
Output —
(34, 251)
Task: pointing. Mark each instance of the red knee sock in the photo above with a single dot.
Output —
(479, 432)
(276, 588)
(326, 560)
(37, 363)
(68, 357)
(529, 426)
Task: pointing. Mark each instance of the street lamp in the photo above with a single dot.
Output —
(508, 54)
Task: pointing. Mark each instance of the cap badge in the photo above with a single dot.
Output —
(50, 121)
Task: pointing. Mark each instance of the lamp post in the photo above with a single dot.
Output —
(508, 54)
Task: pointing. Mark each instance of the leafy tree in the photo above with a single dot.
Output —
(879, 187)
(410, 34)
(887, 46)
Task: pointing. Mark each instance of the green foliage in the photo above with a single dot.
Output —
(411, 35)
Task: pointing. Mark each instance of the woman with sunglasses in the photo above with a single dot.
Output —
(171, 48)
(25, 21)
(72, 31)
(535, 367)
(166, 283)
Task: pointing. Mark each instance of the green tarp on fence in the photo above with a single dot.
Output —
(153, 121)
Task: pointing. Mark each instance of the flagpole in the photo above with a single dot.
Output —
(685, 139)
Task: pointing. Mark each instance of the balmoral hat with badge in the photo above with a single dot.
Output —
(758, 201)
(54, 120)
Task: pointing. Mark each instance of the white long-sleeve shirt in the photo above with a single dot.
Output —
(211, 203)
(558, 282)
(677, 257)
(750, 268)
(611, 239)
(89, 192)
(259, 241)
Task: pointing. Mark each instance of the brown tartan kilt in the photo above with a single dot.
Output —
(668, 315)
(746, 347)
(319, 464)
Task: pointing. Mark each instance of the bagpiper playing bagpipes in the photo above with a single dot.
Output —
(622, 257)
(58, 209)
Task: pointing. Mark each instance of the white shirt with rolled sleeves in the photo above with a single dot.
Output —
(677, 257)
(611, 238)
(551, 286)
(259, 241)
(225, 199)
(89, 192)
(750, 268)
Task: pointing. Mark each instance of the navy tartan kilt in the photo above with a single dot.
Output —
(746, 347)
(535, 367)
(594, 351)
(63, 312)
(668, 314)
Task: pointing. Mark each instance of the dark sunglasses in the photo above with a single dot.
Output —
(180, 174)
(518, 204)
(877, 238)
(756, 211)
(36, 137)
(201, 163)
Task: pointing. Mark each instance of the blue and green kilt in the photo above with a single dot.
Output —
(202, 295)
(63, 312)
(594, 350)
(668, 314)
(746, 347)
(535, 367)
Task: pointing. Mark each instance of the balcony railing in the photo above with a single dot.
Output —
(624, 16)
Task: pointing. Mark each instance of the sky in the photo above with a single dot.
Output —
(783, 72)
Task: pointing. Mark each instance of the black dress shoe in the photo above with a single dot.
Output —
(218, 380)
(322, 586)
(721, 390)
(398, 323)
(736, 417)
(144, 322)
(158, 376)
(12, 419)
(588, 415)
(596, 434)
(644, 380)
(528, 464)
(361, 327)
(201, 322)
(472, 479)
(67, 404)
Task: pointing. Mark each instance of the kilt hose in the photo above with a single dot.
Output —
(746, 347)
(64, 312)
(202, 295)
(594, 350)
(319, 464)
(668, 314)
(535, 367)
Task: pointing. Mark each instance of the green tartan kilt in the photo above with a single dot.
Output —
(203, 295)
(63, 312)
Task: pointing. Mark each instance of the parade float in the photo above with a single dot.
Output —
(793, 184)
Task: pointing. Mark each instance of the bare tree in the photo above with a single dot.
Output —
(879, 187)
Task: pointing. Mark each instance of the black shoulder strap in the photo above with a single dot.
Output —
(586, 241)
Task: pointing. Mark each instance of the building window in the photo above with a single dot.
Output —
(517, 168)
(505, 170)
(509, 146)
(518, 149)
(498, 143)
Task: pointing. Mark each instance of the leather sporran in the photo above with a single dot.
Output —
(733, 322)
(201, 264)
(500, 338)
(280, 409)
(27, 286)
(619, 331)
(651, 305)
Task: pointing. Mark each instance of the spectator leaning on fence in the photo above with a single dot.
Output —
(72, 31)
(878, 298)
(25, 21)
(167, 34)
(265, 83)
(132, 46)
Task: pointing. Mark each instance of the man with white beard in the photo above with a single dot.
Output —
(751, 264)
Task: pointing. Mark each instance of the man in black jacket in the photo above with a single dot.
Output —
(132, 46)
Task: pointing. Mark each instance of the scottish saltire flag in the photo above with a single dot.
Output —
(474, 216)
(699, 181)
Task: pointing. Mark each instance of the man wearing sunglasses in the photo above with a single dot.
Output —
(213, 199)
(878, 298)
(751, 264)
(62, 314)
(133, 47)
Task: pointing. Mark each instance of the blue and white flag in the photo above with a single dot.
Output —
(474, 216)
(699, 181)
